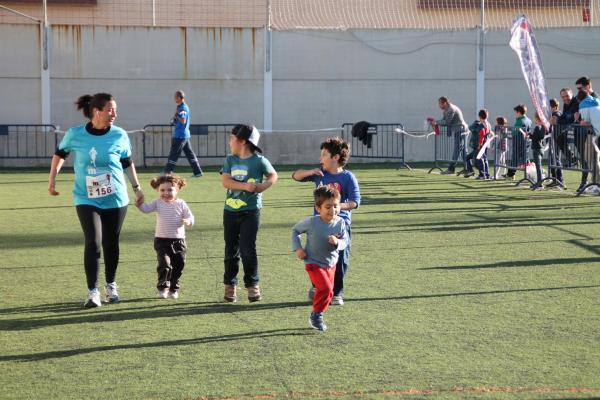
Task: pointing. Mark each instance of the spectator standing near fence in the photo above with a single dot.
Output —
(172, 216)
(480, 129)
(452, 119)
(584, 89)
(520, 142)
(501, 132)
(555, 172)
(326, 236)
(242, 175)
(335, 153)
(102, 158)
(181, 137)
(537, 136)
(589, 110)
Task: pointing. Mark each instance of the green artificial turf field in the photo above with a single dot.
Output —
(457, 289)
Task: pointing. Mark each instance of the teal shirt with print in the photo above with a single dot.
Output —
(99, 177)
(251, 170)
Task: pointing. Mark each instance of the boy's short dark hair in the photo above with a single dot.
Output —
(172, 179)
(483, 113)
(337, 146)
(323, 193)
(501, 121)
(443, 99)
(521, 108)
(583, 81)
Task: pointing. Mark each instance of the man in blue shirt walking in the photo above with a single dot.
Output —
(181, 137)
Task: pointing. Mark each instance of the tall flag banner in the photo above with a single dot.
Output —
(523, 42)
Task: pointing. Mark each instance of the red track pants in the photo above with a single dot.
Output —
(322, 279)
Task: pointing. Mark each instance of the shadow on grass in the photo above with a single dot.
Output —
(105, 314)
(168, 343)
(76, 314)
(520, 263)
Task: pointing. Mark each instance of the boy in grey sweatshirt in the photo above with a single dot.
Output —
(325, 237)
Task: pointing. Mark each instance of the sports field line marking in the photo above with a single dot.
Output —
(411, 391)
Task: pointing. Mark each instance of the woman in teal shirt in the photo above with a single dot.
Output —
(102, 159)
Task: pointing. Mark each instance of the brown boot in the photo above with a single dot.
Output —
(230, 294)
(254, 294)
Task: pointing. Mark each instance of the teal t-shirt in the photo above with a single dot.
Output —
(250, 170)
(99, 177)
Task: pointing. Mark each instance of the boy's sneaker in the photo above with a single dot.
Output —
(230, 293)
(469, 174)
(316, 321)
(112, 295)
(311, 293)
(197, 174)
(447, 172)
(337, 301)
(163, 293)
(93, 299)
(174, 294)
(254, 294)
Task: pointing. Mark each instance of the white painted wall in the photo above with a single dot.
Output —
(321, 79)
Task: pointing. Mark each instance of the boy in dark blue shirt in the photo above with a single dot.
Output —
(334, 156)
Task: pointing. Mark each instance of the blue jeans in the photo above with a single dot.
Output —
(342, 266)
(240, 229)
(177, 146)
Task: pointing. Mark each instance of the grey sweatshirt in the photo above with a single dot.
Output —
(318, 249)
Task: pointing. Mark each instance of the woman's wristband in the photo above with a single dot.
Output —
(136, 188)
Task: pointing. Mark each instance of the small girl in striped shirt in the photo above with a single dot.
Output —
(169, 236)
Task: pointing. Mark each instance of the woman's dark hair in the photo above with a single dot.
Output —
(88, 102)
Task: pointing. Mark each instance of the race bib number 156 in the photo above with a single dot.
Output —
(99, 186)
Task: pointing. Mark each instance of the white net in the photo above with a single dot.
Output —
(429, 14)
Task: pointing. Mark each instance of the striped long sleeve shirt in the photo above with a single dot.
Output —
(169, 218)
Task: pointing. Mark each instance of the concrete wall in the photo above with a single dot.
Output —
(321, 79)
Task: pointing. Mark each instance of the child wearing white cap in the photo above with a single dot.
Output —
(242, 175)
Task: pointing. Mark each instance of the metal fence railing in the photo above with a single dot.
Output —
(376, 141)
(207, 141)
(450, 146)
(27, 142)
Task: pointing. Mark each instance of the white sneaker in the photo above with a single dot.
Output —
(93, 299)
(337, 301)
(174, 295)
(112, 295)
(163, 293)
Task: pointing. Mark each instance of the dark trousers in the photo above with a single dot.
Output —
(240, 229)
(483, 165)
(469, 161)
(555, 154)
(170, 254)
(537, 160)
(458, 150)
(101, 229)
(177, 146)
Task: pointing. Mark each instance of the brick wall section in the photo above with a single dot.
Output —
(193, 13)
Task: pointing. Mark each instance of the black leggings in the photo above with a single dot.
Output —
(101, 227)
